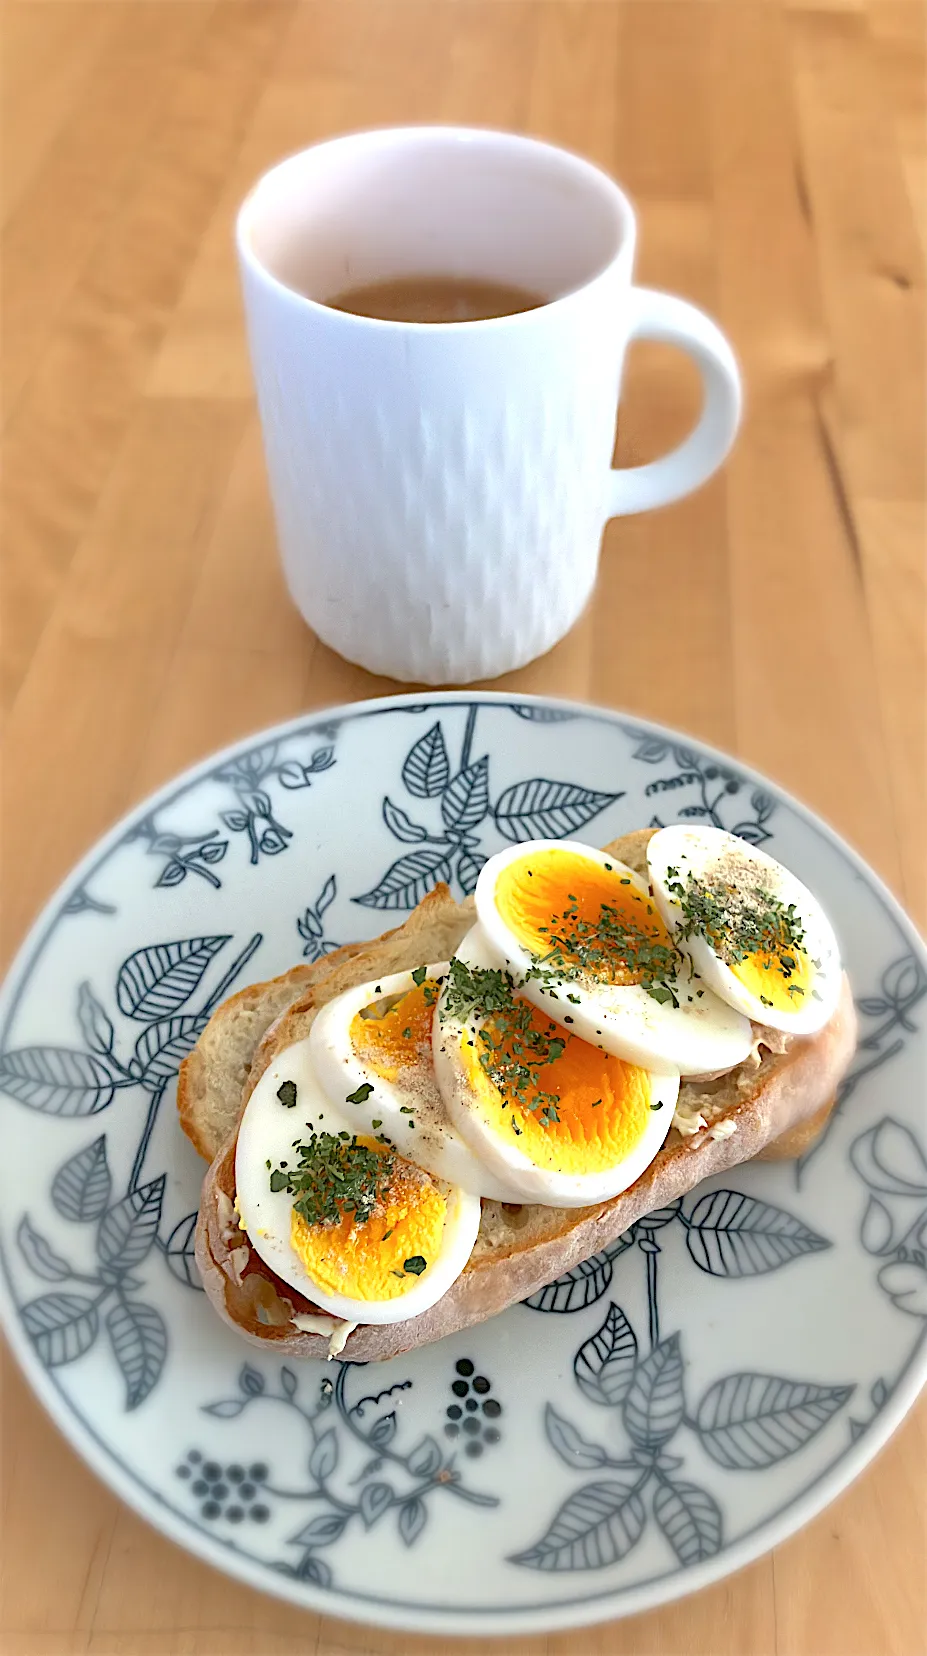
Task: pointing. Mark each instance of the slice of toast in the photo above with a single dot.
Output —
(773, 1105)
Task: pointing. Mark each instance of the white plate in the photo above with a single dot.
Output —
(655, 1420)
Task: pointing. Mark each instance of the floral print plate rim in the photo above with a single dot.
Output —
(650, 1422)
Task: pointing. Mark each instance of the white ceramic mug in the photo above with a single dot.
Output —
(441, 488)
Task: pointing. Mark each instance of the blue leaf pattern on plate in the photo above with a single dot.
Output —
(139, 1339)
(39, 1254)
(604, 1365)
(157, 981)
(80, 1189)
(655, 1405)
(57, 1081)
(103, 1247)
(597, 1525)
(754, 1420)
(61, 1326)
(542, 809)
(732, 1235)
(690, 1519)
(427, 768)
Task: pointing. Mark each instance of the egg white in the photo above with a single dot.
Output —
(544, 1186)
(427, 1135)
(267, 1133)
(702, 1035)
(697, 851)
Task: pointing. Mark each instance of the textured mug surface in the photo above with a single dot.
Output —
(441, 489)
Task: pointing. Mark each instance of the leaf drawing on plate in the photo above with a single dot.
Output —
(139, 1339)
(39, 1254)
(465, 801)
(324, 1456)
(409, 879)
(690, 1519)
(596, 1525)
(97, 1029)
(373, 1502)
(427, 768)
(542, 809)
(569, 1443)
(321, 1531)
(412, 1516)
(655, 1405)
(180, 1252)
(752, 1420)
(651, 749)
(425, 1458)
(744, 1421)
(81, 1187)
(543, 715)
(156, 982)
(61, 1326)
(468, 870)
(732, 1235)
(604, 1365)
(160, 1050)
(400, 824)
(129, 1228)
(57, 1081)
(583, 1284)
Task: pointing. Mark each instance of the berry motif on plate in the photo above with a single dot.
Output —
(473, 1415)
(231, 1492)
(684, 1397)
(359, 1469)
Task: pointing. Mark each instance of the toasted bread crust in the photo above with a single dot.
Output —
(777, 1108)
(787, 1094)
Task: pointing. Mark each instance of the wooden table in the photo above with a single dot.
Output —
(777, 154)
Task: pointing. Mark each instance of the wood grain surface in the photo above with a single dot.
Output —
(777, 152)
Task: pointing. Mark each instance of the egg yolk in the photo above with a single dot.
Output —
(590, 1108)
(751, 931)
(583, 917)
(398, 1037)
(383, 1257)
(778, 980)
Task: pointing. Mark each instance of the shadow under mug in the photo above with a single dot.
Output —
(441, 489)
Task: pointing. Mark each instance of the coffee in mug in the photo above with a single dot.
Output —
(441, 481)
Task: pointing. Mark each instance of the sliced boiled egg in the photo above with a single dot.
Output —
(371, 1050)
(343, 1217)
(565, 1122)
(582, 937)
(753, 932)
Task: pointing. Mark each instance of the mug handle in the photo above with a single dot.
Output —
(674, 321)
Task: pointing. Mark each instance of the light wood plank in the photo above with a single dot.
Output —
(115, 625)
(67, 428)
(334, 72)
(47, 58)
